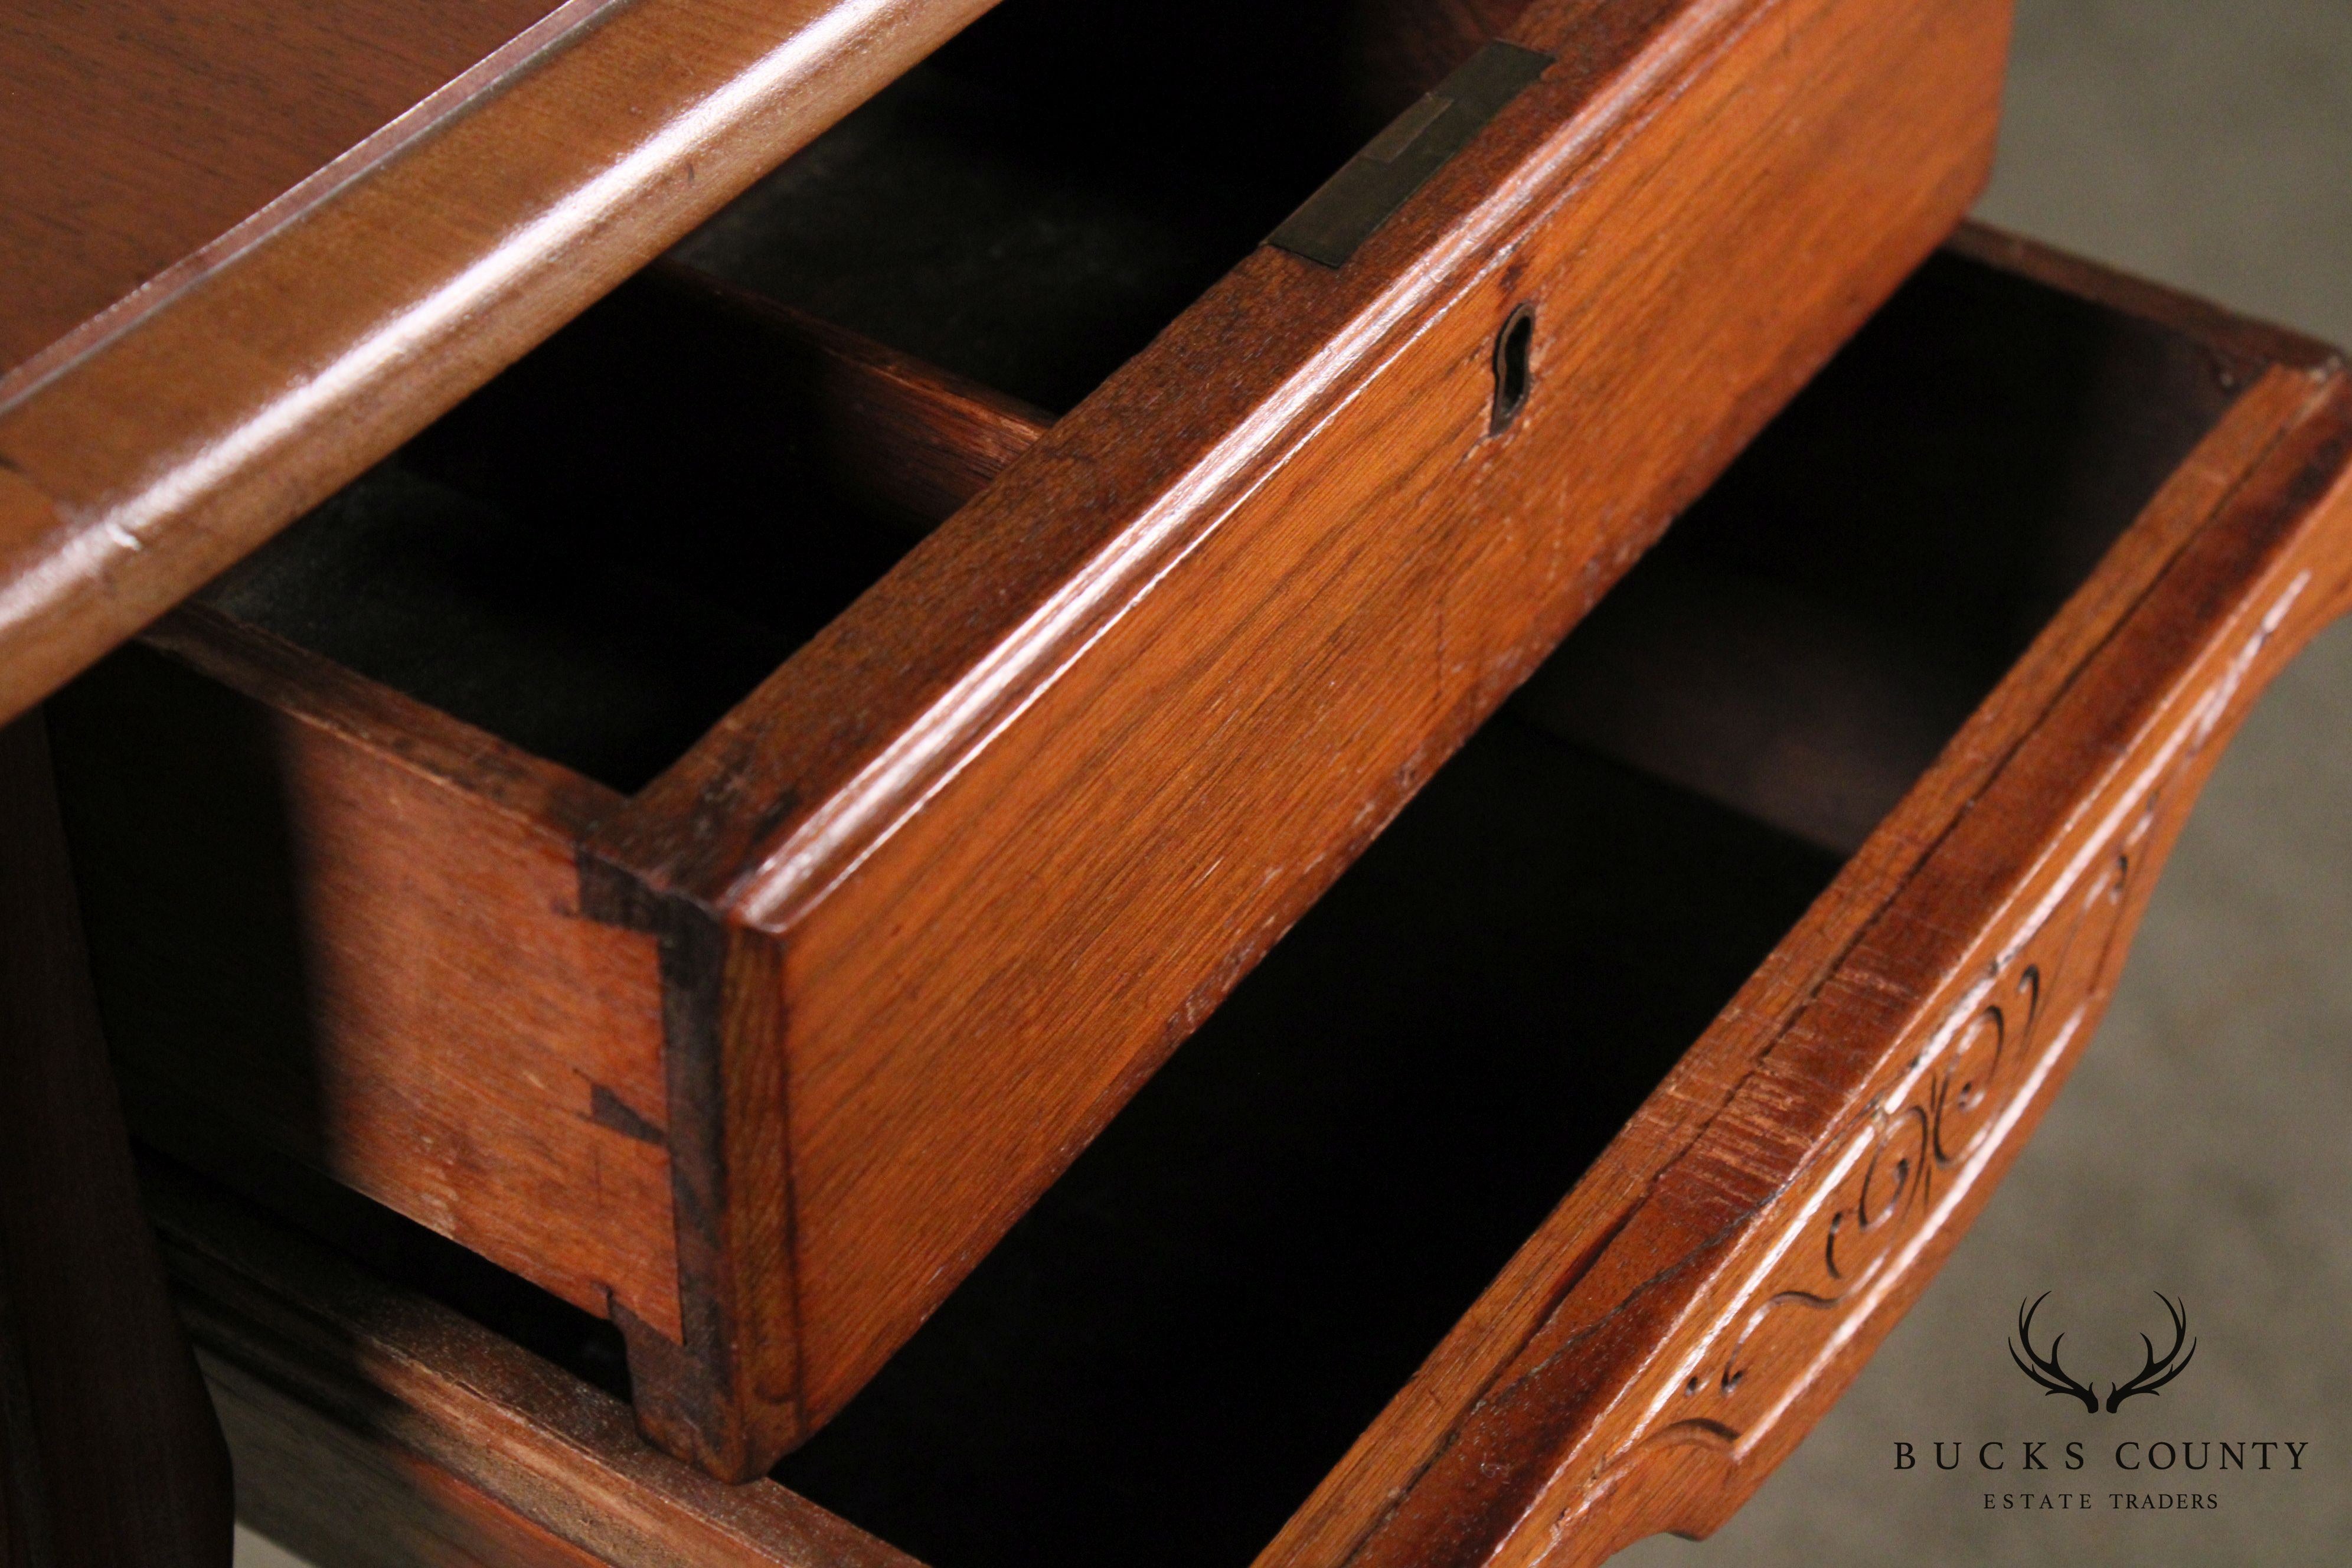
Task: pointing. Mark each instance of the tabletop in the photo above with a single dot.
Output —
(247, 249)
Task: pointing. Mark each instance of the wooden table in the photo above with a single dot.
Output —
(1077, 563)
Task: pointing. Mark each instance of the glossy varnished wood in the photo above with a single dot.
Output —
(1723, 1270)
(137, 154)
(920, 911)
(1017, 842)
(1714, 1278)
(275, 364)
(109, 1451)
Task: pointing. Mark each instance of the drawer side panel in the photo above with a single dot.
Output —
(307, 947)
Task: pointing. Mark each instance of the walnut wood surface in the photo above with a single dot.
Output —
(929, 903)
(271, 368)
(109, 1454)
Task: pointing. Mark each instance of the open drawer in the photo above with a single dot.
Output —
(1562, 1165)
(635, 835)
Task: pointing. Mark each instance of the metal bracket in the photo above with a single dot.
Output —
(1394, 164)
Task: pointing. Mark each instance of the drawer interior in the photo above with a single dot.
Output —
(1034, 202)
(1168, 1351)
(1805, 639)
(451, 600)
(1165, 1355)
(603, 550)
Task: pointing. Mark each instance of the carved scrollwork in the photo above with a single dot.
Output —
(1906, 1156)
(1931, 1126)
(1862, 1209)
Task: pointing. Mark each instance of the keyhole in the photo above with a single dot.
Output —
(1512, 378)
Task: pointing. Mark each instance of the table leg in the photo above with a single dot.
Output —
(109, 1453)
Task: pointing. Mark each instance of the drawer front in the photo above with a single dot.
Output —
(1724, 1269)
(1074, 855)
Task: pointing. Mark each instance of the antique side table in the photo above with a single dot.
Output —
(680, 644)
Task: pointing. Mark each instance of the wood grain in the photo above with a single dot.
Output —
(1710, 1285)
(1003, 910)
(1457, 1374)
(1775, 653)
(356, 941)
(136, 153)
(374, 1426)
(930, 903)
(417, 1009)
(110, 1454)
(140, 468)
(1877, 1205)
(1635, 1368)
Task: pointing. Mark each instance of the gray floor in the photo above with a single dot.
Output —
(2208, 143)
(2200, 1148)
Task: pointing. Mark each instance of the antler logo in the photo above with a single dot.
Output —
(2157, 1372)
(2047, 1371)
(2054, 1379)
